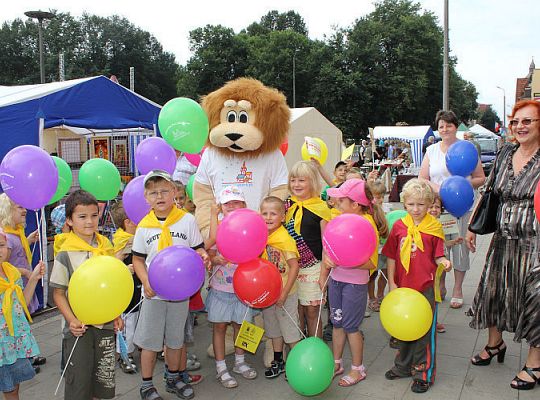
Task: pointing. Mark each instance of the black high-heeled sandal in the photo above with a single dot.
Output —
(477, 360)
(526, 385)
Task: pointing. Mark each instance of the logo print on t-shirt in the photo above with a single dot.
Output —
(244, 176)
(413, 247)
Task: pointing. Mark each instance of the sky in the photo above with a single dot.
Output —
(493, 40)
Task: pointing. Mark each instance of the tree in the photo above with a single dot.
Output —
(488, 118)
(276, 21)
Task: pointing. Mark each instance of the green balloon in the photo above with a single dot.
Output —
(100, 178)
(310, 367)
(184, 125)
(393, 216)
(65, 178)
(189, 187)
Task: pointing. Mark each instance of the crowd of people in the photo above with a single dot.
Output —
(410, 252)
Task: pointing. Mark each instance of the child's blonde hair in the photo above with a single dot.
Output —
(417, 188)
(377, 187)
(276, 201)
(304, 169)
(6, 204)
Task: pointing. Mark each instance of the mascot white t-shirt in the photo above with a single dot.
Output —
(255, 176)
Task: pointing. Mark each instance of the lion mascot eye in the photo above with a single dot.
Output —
(231, 116)
(243, 117)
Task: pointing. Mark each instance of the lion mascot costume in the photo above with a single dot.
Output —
(248, 122)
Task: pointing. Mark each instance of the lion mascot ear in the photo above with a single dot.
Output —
(248, 122)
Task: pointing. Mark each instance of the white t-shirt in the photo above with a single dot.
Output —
(437, 164)
(185, 232)
(256, 177)
(183, 170)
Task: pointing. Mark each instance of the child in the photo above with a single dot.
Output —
(450, 241)
(340, 172)
(161, 321)
(414, 249)
(16, 339)
(223, 306)
(91, 369)
(281, 251)
(347, 287)
(378, 189)
(122, 244)
(58, 219)
(305, 220)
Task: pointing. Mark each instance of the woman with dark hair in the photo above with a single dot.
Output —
(434, 170)
(508, 295)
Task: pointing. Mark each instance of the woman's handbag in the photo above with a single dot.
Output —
(484, 220)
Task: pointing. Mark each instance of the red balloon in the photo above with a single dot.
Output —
(537, 201)
(284, 147)
(257, 283)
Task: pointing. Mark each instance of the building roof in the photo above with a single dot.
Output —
(521, 83)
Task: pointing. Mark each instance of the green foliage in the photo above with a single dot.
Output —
(488, 118)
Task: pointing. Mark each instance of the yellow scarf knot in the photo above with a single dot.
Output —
(19, 231)
(8, 288)
(73, 242)
(315, 205)
(151, 221)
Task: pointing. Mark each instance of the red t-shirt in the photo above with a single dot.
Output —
(422, 267)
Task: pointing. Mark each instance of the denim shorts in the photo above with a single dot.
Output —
(13, 374)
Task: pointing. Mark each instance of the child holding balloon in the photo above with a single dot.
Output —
(222, 304)
(414, 249)
(90, 372)
(16, 339)
(305, 220)
(348, 286)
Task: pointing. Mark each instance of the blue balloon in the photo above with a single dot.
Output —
(457, 195)
(461, 158)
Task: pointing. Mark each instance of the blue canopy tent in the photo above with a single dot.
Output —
(416, 136)
(93, 103)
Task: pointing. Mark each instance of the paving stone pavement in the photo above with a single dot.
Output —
(456, 377)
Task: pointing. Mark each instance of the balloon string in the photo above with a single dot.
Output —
(39, 238)
(294, 322)
(67, 364)
(213, 274)
(134, 307)
(320, 306)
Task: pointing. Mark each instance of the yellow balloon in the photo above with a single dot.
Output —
(100, 290)
(406, 314)
(324, 151)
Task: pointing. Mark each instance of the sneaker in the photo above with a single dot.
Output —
(180, 389)
(191, 379)
(275, 370)
(367, 313)
(127, 368)
(150, 394)
(394, 343)
(192, 365)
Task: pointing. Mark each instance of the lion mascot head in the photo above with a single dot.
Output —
(246, 117)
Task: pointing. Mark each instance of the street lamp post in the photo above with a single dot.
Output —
(504, 106)
(446, 82)
(40, 16)
(294, 80)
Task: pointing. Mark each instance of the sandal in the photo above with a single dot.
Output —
(477, 360)
(348, 380)
(456, 302)
(374, 305)
(248, 372)
(227, 383)
(420, 386)
(521, 384)
(340, 370)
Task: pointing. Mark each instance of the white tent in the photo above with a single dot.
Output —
(310, 122)
(416, 136)
(479, 130)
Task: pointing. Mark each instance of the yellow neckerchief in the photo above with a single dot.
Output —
(58, 242)
(151, 221)
(75, 243)
(19, 231)
(429, 225)
(281, 240)
(120, 239)
(314, 204)
(8, 287)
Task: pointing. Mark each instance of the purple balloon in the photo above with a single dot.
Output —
(155, 153)
(29, 176)
(176, 273)
(133, 200)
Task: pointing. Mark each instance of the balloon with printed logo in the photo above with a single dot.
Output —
(406, 314)
(155, 153)
(101, 178)
(133, 200)
(346, 232)
(314, 148)
(189, 187)
(310, 367)
(176, 273)
(241, 236)
(29, 176)
(184, 125)
(457, 195)
(257, 283)
(537, 201)
(65, 179)
(100, 290)
(462, 158)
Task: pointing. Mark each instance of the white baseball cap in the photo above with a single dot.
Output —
(231, 193)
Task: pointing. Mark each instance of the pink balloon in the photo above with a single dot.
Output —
(194, 159)
(133, 200)
(242, 236)
(349, 240)
(155, 153)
